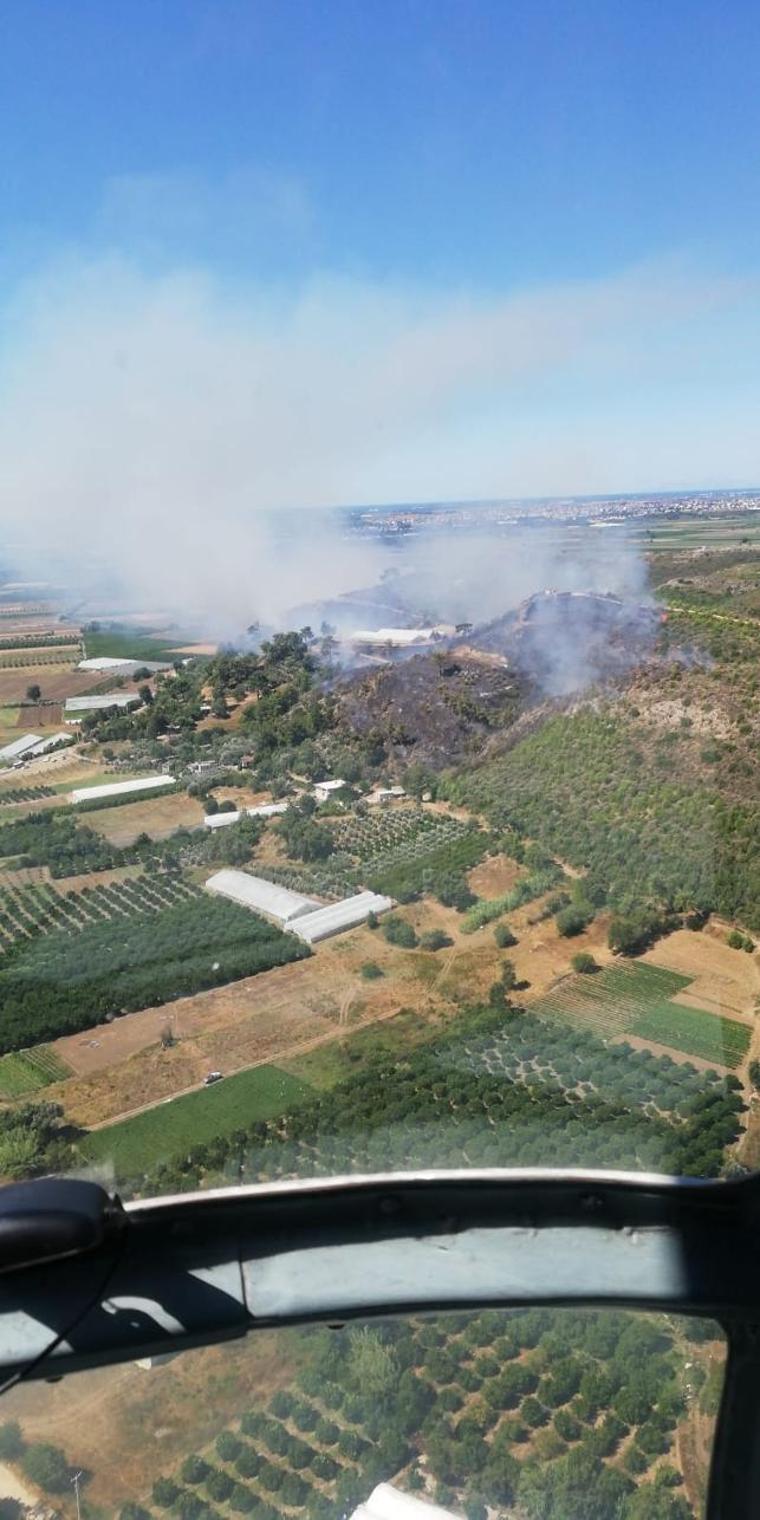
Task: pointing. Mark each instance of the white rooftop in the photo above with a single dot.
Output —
(335, 918)
(391, 635)
(260, 810)
(328, 786)
(49, 742)
(120, 662)
(117, 788)
(19, 746)
(389, 1503)
(260, 895)
(92, 703)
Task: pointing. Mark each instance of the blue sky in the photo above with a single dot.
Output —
(393, 249)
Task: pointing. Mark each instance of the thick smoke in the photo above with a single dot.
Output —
(160, 441)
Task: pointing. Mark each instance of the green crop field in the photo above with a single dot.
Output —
(196, 1119)
(636, 1000)
(696, 1032)
(23, 1071)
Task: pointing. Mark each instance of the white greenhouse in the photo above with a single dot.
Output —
(76, 707)
(262, 896)
(336, 917)
(260, 810)
(389, 1503)
(119, 788)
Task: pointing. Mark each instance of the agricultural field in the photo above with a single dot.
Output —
(184, 942)
(637, 1000)
(158, 817)
(27, 912)
(25, 1071)
(495, 1407)
(197, 1118)
(404, 851)
(30, 793)
(57, 682)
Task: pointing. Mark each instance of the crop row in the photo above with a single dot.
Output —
(374, 834)
(24, 1071)
(636, 1000)
(25, 794)
(696, 1032)
(27, 912)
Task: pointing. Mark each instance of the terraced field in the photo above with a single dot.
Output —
(637, 1000)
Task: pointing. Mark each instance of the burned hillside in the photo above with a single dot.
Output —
(564, 641)
(437, 709)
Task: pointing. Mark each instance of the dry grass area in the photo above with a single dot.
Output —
(494, 876)
(56, 682)
(121, 1067)
(724, 981)
(128, 1425)
(158, 817)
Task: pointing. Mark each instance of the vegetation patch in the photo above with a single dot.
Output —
(25, 1071)
(197, 1119)
(60, 982)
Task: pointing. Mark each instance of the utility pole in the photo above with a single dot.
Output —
(75, 1481)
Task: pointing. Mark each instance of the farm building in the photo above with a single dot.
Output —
(76, 707)
(389, 1503)
(124, 667)
(384, 794)
(18, 747)
(334, 918)
(51, 741)
(261, 810)
(324, 790)
(118, 788)
(262, 896)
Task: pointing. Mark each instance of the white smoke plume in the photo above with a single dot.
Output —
(154, 429)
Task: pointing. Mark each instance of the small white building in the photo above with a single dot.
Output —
(265, 897)
(324, 790)
(77, 707)
(335, 918)
(119, 788)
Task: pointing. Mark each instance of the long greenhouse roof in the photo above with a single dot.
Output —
(260, 895)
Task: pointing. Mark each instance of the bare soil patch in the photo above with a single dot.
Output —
(128, 1425)
(494, 876)
(159, 816)
(56, 682)
(724, 981)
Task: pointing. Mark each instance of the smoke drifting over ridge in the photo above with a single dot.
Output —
(157, 434)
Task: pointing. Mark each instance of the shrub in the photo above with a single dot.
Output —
(584, 963)
(370, 971)
(11, 1441)
(435, 939)
(735, 940)
(635, 1461)
(399, 932)
(504, 936)
(47, 1466)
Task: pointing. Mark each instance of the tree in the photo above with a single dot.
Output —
(33, 693)
(572, 920)
(165, 1492)
(508, 976)
(194, 1469)
(584, 963)
(754, 1073)
(46, 1465)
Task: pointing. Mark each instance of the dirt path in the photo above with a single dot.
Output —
(13, 1487)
